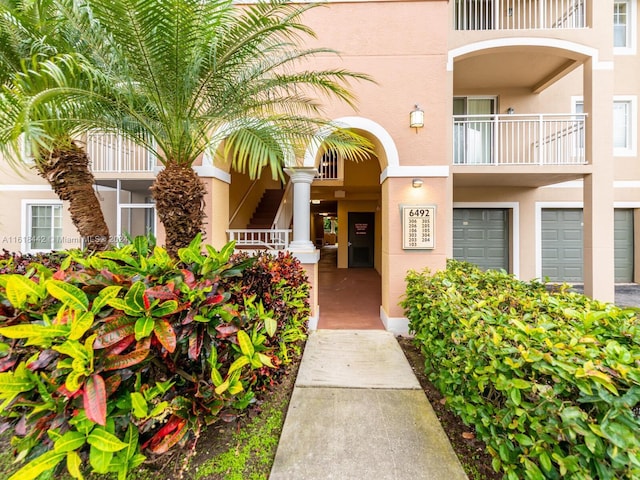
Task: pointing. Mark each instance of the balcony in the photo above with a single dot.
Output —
(540, 139)
(113, 154)
(518, 14)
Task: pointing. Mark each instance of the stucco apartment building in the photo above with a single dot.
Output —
(505, 133)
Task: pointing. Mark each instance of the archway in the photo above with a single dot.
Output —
(346, 208)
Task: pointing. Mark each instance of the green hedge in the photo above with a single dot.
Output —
(112, 357)
(549, 379)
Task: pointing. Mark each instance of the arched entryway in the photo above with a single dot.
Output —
(346, 223)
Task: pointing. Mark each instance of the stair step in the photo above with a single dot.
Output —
(266, 209)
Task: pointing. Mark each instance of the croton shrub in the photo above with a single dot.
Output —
(549, 378)
(111, 357)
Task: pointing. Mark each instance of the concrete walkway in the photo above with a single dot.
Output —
(358, 412)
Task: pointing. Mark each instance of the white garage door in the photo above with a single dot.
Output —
(480, 236)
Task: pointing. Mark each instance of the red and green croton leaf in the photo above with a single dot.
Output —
(95, 399)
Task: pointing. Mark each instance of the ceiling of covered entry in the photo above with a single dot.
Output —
(533, 69)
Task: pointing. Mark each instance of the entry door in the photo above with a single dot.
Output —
(361, 239)
(473, 133)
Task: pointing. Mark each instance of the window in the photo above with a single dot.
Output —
(624, 121)
(622, 125)
(43, 227)
(624, 27)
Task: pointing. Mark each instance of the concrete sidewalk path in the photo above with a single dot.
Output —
(358, 412)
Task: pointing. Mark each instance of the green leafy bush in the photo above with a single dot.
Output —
(549, 379)
(110, 357)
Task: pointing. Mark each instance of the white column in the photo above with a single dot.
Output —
(302, 177)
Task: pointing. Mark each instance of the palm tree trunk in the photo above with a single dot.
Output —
(179, 196)
(67, 171)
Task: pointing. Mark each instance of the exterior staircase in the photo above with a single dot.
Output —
(266, 210)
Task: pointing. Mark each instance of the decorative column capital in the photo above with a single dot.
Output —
(301, 174)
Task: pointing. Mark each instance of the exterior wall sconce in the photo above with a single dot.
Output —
(417, 183)
(510, 111)
(416, 118)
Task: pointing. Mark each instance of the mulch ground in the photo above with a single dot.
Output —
(471, 451)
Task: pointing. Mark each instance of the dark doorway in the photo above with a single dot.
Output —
(361, 239)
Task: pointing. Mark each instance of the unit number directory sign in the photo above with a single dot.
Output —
(418, 227)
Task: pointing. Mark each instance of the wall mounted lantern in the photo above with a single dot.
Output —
(416, 118)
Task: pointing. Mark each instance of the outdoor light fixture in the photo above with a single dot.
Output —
(510, 111)
(417, 183)
(416, 118)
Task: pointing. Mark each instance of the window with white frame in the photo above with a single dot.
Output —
(624, 124)
(624, 26)
(43, 226)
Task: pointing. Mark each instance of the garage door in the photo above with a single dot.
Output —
(480, 236)
(624, 245)
(562, 245)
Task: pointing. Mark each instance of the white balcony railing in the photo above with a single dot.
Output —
(259, 239)
(518, 14)
(540, 139)
(111, 153)
(328, 166)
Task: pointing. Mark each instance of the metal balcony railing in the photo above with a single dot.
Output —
(111, 153)
(328, 166)
(518, 14)
(261, 239)
(540, 139)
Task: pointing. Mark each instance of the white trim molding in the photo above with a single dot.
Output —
(211, 171)
(529, 42)
(25, 233)
(626, 184)
(632, 30)
(361, 123)
(396, 325)
(25, 188)
(515, 227)
(312, 322)
(632, 126)
(408, 171)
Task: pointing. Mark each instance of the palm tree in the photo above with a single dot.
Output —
(37, 45)
(191, 73)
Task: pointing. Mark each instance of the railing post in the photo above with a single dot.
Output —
(541, 139)
(494, 147)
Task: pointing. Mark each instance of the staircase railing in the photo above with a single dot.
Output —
(243, 200)
(284, 215)
(261, 239)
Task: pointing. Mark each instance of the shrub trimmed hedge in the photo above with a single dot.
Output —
(110, 357)
(549, 379)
